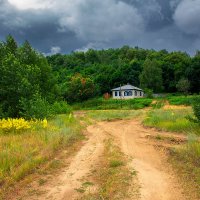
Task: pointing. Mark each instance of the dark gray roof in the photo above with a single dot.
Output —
(126, 87)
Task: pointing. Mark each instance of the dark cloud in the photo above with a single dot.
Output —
(67, 25)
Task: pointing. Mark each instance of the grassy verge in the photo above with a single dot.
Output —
(186, 158)
(102, 104)
(114, 114)
(181, 100)
(172, 120)
(114, 176)
(187, 162)
(23, 153)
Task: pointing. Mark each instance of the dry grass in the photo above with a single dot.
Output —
(113, 176)
(22, 154)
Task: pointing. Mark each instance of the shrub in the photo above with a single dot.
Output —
(61, 108)
(37, 108)
(196, 110)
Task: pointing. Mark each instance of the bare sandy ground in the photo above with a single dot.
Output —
(156, 178)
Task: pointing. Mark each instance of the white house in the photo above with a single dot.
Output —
(127, 92)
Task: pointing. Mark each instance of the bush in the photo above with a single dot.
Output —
(61, 108)
(37, 108)
(196, 110)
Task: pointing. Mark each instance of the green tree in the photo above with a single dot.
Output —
(151, 76)
(183, 85)
(80, 88)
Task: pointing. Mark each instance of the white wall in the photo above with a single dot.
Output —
(127, 97)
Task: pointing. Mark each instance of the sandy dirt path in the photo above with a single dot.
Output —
(157, 182)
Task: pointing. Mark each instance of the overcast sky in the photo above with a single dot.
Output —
(54, 26)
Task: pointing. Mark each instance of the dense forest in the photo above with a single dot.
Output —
(30, 80)
(160, 71)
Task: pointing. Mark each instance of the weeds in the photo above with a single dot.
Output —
(172, 120)
(114, 114)
(21, 154)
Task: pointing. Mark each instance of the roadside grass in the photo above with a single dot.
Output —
(112, 104)
(22, 154)
(105, 115)
(181, 100)
(113, 177)
(185, 158)
(186, 161)
(172, 120)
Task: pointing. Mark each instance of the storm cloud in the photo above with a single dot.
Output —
(70, 25)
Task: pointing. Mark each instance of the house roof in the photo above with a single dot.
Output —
(127, 87)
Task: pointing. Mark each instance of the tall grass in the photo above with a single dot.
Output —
(172, 120)
(21, 154)
(102, 104)
(181, 100)
(107, 115)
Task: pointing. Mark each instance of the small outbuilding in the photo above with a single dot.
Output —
(127, 92)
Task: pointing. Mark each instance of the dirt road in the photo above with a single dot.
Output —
(156, 179)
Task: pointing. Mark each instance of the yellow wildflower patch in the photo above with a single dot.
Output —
(20, 124)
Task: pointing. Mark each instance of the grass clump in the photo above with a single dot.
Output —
(110, 104)
(114, 176)
(114, 114)
(21, 154)
(187, 162)
(181, 100)
(172, 120)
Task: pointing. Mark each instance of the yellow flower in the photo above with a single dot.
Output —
(44, 123)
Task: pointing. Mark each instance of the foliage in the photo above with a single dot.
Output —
(80, 88)
(196, 110)
(37, 108)
(183, 85)
(151, 76)
(102, 104)
(148, 93)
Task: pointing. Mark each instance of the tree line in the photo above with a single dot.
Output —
(29, 80)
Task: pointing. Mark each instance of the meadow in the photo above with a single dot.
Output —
(112, 104)
(26, 145)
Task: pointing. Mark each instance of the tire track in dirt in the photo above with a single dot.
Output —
(156, 178)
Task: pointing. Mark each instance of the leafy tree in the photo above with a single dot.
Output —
(183, 85)
(80, 88)
(151, 76)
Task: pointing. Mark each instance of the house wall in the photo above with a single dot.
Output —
(127, 97)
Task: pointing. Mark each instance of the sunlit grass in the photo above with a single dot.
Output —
(172, 120)
(115, 114)
(21, 154)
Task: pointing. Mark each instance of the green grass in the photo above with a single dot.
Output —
(21, 154)
(107, 115)
(181, 100)
(172, 120)
(113, 176)
(102, 104)
(187, 162)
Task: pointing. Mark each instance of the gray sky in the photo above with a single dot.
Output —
(68, 25)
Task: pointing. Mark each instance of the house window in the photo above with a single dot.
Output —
(136, 93)
(140, 93)
(116, 94)
(120, 94)
(128, 93)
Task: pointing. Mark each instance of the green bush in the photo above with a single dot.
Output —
(37, 107)
(61, 108)
(196, 109)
